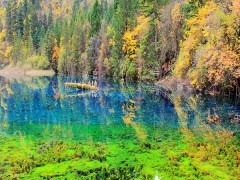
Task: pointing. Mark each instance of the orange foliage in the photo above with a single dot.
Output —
(209, 55)
(56, 52)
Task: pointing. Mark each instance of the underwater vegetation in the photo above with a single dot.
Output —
(168, 153)
(120, 131)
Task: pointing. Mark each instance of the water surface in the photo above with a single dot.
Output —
(128, 117)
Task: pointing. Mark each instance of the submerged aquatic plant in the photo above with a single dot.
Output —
(130, 136)
(211, 149)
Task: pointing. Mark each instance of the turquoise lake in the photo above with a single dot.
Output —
(124, 117)
(46, 100)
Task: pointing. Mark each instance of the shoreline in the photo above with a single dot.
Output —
(176, 85)
(18, 72)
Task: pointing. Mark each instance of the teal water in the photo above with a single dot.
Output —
(121, 131)
(37, 103)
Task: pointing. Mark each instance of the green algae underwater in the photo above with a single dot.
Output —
(48, 131)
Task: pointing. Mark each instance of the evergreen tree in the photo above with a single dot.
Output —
(35, 30)
(27, 29)
(191, 7)
(95, 19)
(148, 52)
(123, 18)
(16, 54)
(25, 8)
(45, 21)
(76, 4)
(49, 44)
(50, 17)
(30, 48)
(78, 41)
(20, 25)
(9, 21)
(109, 13)
(14, 21)
(119, 26)
(57, 31)
(104, 5)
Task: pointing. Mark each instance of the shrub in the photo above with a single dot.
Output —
(38, 62)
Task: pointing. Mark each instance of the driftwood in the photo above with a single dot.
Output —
(81, 86)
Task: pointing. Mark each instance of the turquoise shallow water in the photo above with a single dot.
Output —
(35, 104)
(121, 131)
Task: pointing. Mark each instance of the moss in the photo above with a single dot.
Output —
(119, 157)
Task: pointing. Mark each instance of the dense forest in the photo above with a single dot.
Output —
(194, 40)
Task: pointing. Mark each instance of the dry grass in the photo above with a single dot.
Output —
(40, 73)
(21, 72)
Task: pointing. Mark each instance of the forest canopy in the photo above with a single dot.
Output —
(195, 40)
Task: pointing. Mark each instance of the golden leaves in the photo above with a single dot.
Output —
(2, 35)
(8, 51)
(2, 12)
(176, 14)
(131, 38)
(210, 52)
(130, 44)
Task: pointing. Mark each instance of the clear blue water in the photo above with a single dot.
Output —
(125, 130)
(41, 101)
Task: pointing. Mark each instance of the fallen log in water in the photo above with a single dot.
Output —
(81, 86)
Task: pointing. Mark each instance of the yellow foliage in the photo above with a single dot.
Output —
(2, 35)
(8, 51)
(192, 40)
(56, 7)
(142, 26)
(210, 51)
(130, 44)
(176, 14)
(131, 38)
(2, 12)
(110, 33)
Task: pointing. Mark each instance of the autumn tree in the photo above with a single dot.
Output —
(209, 55)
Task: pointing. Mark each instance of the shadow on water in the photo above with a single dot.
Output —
(150, 131)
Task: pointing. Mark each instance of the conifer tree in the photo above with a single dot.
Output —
(9, 21)
(20, 16)
(50, 17)
(35, 30)
(95, 19)
(25, 8)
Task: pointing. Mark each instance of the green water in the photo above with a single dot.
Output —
(122, 131)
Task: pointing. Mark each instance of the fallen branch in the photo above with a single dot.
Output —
(81, 86)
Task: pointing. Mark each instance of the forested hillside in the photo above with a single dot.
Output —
(195, 40)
